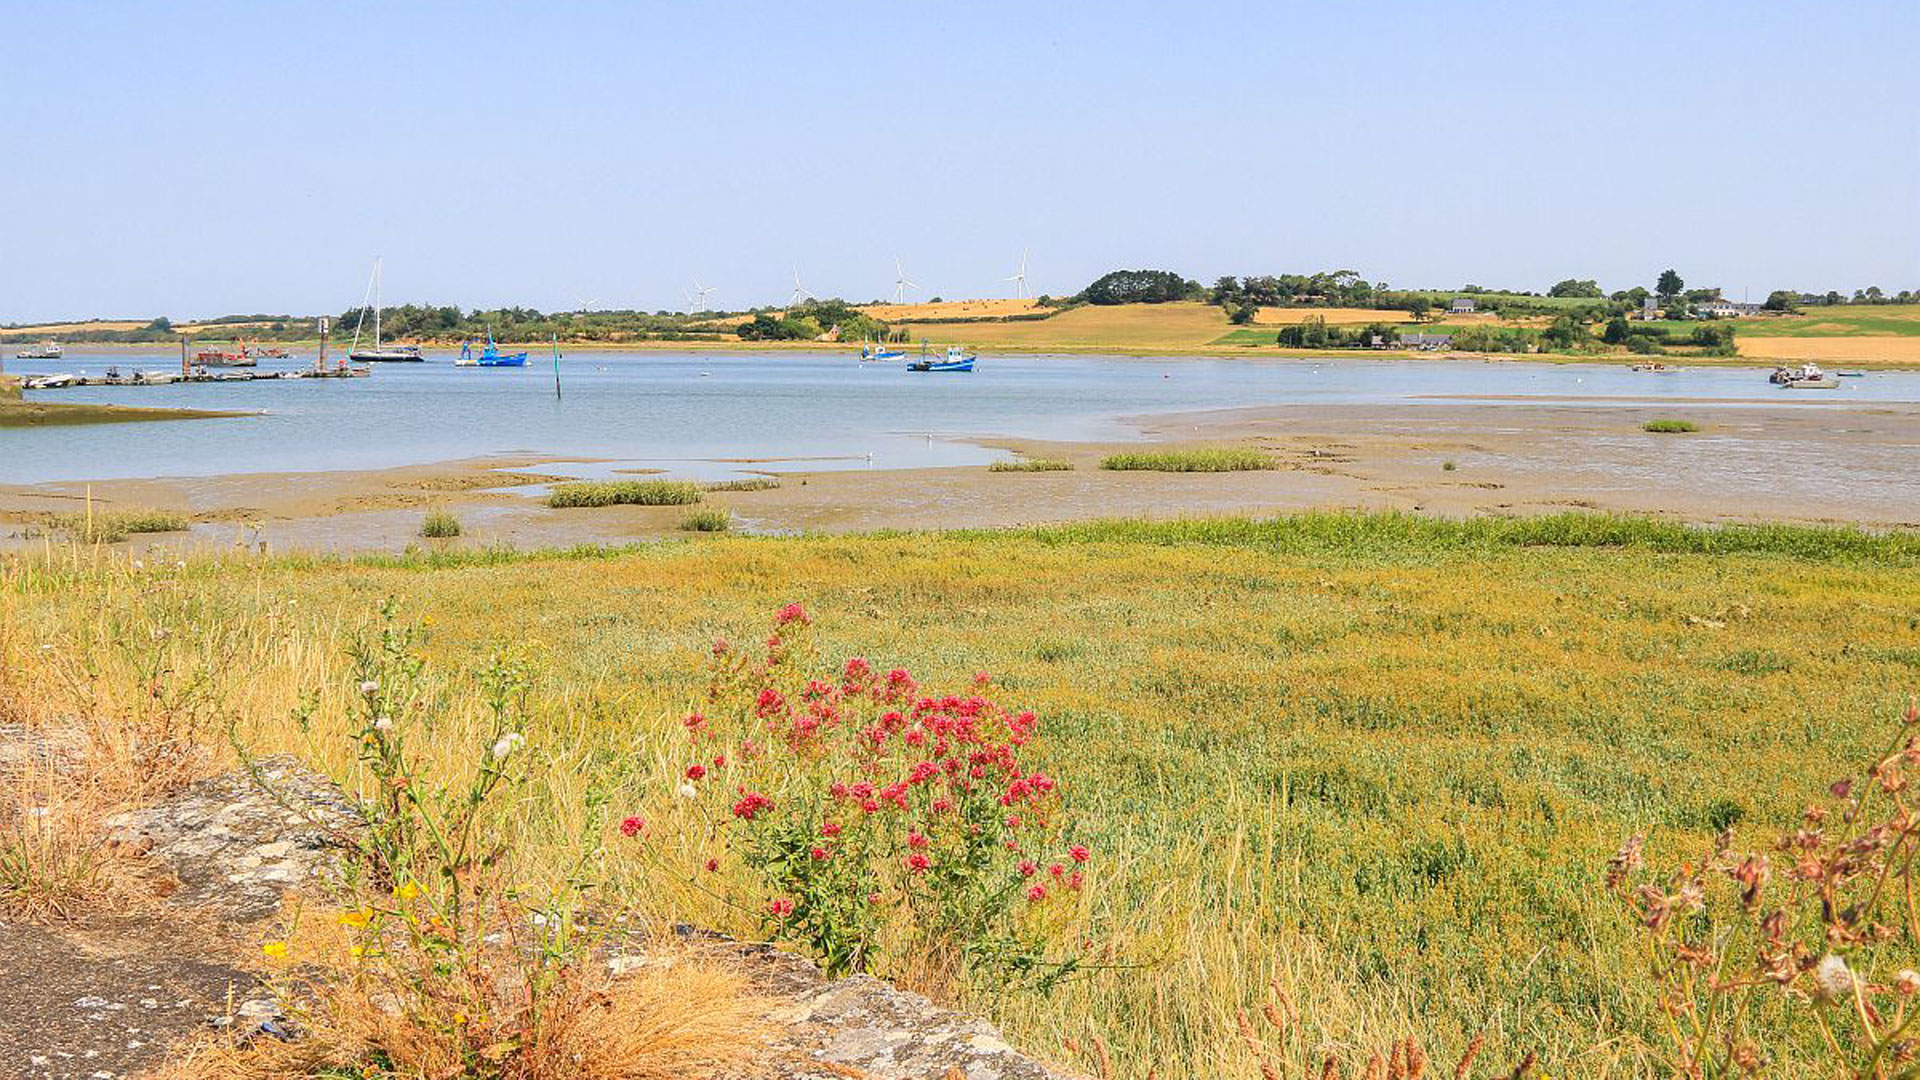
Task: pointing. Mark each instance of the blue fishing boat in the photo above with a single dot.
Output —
(875, 352)
(491, 356)
(957, 359)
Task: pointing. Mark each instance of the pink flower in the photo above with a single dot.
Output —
(1056, 869)
(1013, 821)
(790, 614)
(694, 721)
(1079, 853)
(916, 841)
(918, 863)
(781, 906)
(720, 647)
(1028, 868)
(750, 804)
(819, 853)
(1037, 893)
(696, 772)
(632, 825)
(712, 865)
(830, 829)
(1074, 880)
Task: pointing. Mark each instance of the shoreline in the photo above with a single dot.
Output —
(1446, 458)
(1198, 352)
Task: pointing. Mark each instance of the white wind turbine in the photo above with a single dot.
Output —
(586, 302)
(697, 300)
(1020, 280)
(901, 283)
(800, 292)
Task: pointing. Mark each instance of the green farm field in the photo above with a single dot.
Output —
(1378, 763)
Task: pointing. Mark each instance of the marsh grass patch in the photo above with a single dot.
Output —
(624, 493)
(1224, 459)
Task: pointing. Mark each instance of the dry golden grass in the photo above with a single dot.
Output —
(75, 327)
(951, 309)
(1183, 325)
(1287, 316)
(679, 1016)
(1833, 350)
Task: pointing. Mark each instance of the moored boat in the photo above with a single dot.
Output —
(49, 350)
(491, 356)
(379, 354)
(874, 352)
(1807, 376)
(957, 359)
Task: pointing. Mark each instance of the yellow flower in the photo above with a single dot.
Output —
(275, 949)
(356, 918)
(363, 952)
(406, 891)
(459, 1018)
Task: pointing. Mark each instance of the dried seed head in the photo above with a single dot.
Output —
(1832, 979)
(1466, 1059)
(1906, 982)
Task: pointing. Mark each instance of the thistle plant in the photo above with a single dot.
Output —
(1818, 938)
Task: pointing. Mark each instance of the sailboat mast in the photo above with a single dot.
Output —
(376, 302)
(361, 319)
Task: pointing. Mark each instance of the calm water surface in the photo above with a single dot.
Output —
(694, 412)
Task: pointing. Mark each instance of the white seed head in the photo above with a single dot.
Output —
(688, 791)
(1832, 979)
(369, 687)
(384, 723)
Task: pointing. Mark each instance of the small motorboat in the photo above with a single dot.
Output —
(873, 352)
(1849, 374)
(957, 359)
(1653, 366)
(48, 382)
(1807, 376)
(46, 351)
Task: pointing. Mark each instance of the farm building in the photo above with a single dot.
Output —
(1724, 309)
(1426, 342)
(1462, 305)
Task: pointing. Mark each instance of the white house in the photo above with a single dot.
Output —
(1462, 305)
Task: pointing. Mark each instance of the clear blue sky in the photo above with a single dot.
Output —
(197, 158)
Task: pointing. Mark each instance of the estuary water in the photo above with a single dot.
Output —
(704, 414)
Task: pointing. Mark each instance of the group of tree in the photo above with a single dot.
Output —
(1141, 287)
(812, 320)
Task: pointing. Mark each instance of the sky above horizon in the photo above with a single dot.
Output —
(197, 158)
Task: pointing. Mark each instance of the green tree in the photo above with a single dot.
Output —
(1669, 284)
(1137, 287)
(1618, 331)
(1782, 300)
(1576, 287)
(1244, 313)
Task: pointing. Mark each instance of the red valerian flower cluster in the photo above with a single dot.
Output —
(632, 825)
(862, 798)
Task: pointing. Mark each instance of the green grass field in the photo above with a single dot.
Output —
(1877, 320)
(1378, 762)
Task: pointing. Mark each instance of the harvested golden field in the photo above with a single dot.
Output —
(1833, 350)
(950, 309)
(1376, 764)
(1126, 327)
(1287, 316)
(54, 329)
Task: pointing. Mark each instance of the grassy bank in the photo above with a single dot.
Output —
(1377, 761)
(51, 414)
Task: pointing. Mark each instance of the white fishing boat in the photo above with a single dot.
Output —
(49, 350)
(389, 354)
(1807, 376)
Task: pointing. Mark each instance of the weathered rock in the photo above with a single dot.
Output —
(866, 1028)
(238, 847)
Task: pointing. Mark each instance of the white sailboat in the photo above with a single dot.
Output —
(393, 354)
